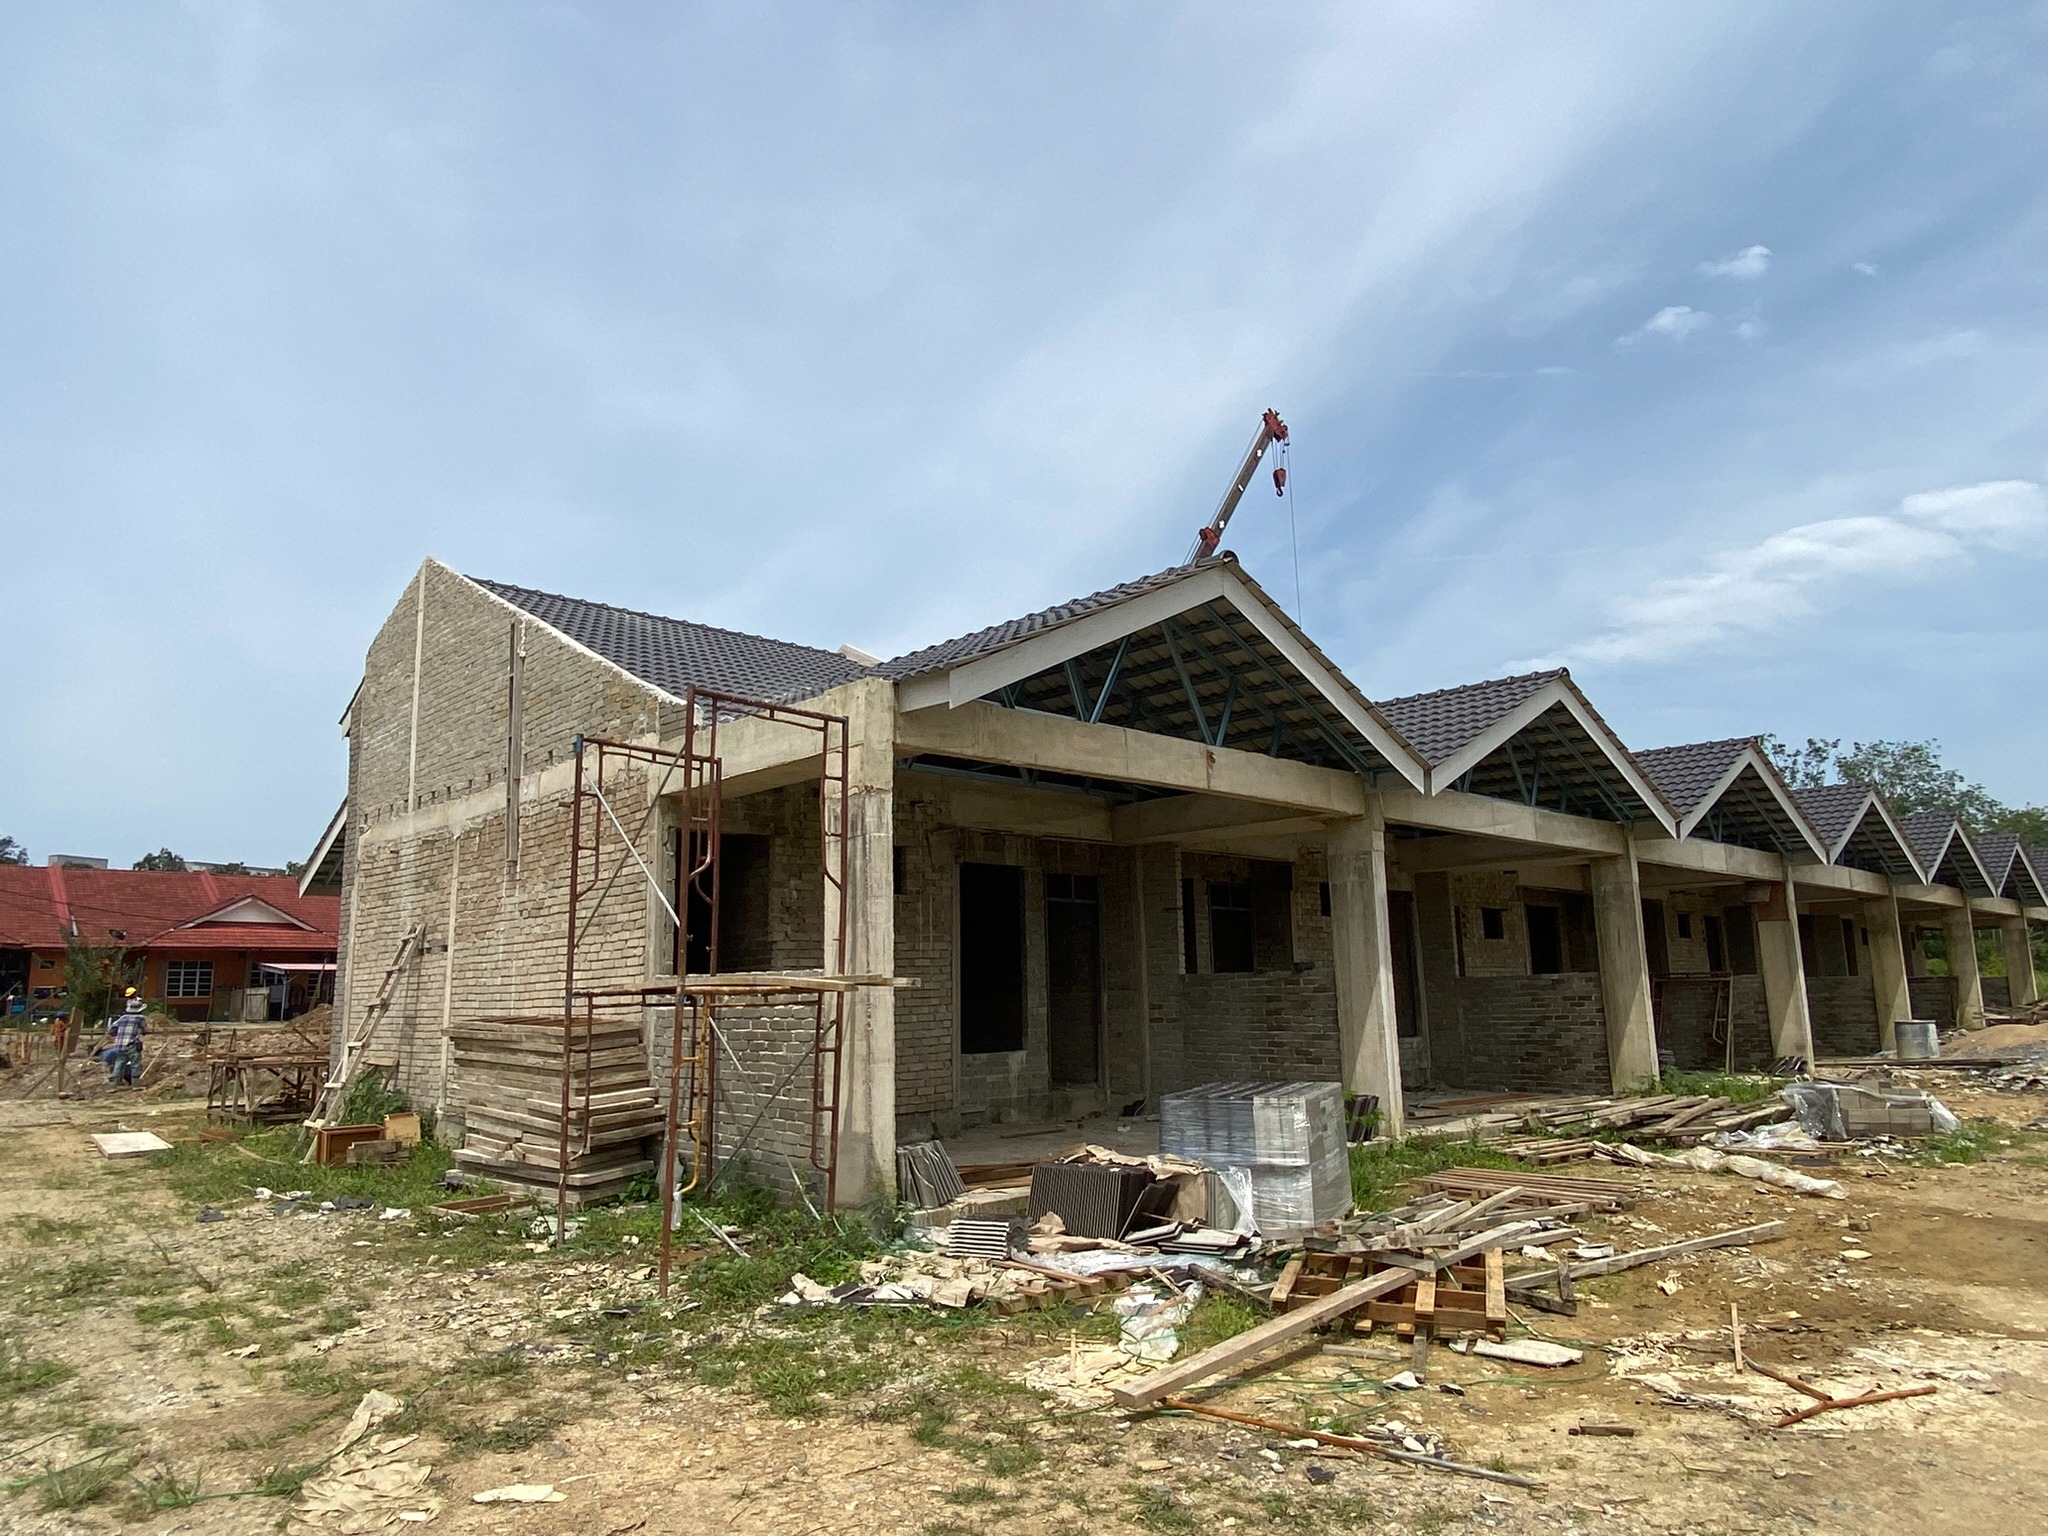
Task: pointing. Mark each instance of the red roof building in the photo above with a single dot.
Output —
(203, 940)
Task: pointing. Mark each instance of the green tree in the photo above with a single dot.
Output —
(95, 979)
(12, 852)
(1912, 777)
(163, 858)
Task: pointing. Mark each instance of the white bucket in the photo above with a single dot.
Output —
(1916, 1039)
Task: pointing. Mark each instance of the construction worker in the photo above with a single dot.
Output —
(124, 1033)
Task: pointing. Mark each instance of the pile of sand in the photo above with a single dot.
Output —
(1999, 1040)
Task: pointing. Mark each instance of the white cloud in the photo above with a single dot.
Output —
(1795, 574)
(1749, 330)
(1746, 265)
(1677, 321)
(1867, 268)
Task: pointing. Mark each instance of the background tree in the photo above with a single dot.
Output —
(95, 979)
(12, 852)
(1912, 777)
(163, 858)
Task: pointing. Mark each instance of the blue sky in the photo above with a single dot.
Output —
(1702, 349)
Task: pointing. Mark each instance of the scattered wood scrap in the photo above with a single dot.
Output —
(1353, 1443)
(1763, 1232)
(1233, 1352)
(1547, 1189)
(1519, 1121)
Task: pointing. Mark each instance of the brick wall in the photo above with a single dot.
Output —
(1275, 1025)
(1843, 1010)
(1685, 1010)
(1526, 1033)
(1997, 991)
(1934, 997)
(1473, 893)
(504, 951)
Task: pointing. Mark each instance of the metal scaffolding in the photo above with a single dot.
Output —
(694, 777)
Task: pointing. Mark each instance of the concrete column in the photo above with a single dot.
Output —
(1369, 1051)
(1916, 949)
(2019, 961)
(1887, 969)
(867, 1081)
(1962, 964)
(1624, 970)
(1778, 957)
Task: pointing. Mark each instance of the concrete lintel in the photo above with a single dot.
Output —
(988, 733)
(1016, 809)
(1505, 821)
(1848, 882)
(1995, 907)
(1697, 855)
(1945, 896)
(1192, 818)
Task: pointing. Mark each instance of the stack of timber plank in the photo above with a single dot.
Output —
(1529, 1127)
(507, 1074)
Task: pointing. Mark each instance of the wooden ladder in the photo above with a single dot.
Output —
(337, 1084)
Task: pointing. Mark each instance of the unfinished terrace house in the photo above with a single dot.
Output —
(1144, 840)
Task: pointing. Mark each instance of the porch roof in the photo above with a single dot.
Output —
(1199, 652)
(1730, 792)
(1942, 847)
(1858, 830)
(2010, 873)
(1535, 739)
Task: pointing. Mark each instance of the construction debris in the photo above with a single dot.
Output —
(1708, 1160)
(1394, 1451)
(129, 1143)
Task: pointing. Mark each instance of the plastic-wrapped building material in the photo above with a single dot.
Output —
(1845, 1112)
(1287, 1137)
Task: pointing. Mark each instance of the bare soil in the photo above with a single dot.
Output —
(205, 1358)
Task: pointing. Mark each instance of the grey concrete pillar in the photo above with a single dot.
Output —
(2019, 961)
(1368, 1046)
(1894, 999)
(1962, 964)
(867, 1081)
(1624, 971)
(1784, 971)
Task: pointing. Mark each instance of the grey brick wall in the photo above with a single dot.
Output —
(1997, 991)
(1843, 1010)
(1934, 997)
(1685, 1008)
(1529, 1033)
(509, 926)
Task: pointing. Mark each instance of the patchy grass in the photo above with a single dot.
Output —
(21, 1373)
(229, 1172)
(1217, 1317)
(1379, 1168)
(76, 1485)
(1971, 1142)
(1741, 1087)
(1156, 1509)
(48, 1231)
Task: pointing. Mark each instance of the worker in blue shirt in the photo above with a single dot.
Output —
(125, 1032)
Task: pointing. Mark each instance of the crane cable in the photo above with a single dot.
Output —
(1286, 488)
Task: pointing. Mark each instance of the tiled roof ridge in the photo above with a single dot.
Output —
(503, 587)
(1544, 675)
(1698, 746)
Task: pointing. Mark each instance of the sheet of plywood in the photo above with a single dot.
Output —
(128, 1143)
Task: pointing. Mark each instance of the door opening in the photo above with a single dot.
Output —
(1073, 954)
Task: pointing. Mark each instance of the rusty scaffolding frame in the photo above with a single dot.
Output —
(694, 1000)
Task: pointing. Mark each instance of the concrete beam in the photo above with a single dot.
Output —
(993, 807)
(1369, 1051)
(1946, 897)
(1725, 861)
(1624, 972)
(988, 733)
(1841, 880)
(1893, 998)
(1505, 821)
(2019, 961)
(1428, 855)
(1999, 909)
(1197, 818)
(1962, 964)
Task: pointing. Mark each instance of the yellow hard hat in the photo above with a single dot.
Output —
(130, 992)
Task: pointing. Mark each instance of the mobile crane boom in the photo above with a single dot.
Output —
(1271, 430)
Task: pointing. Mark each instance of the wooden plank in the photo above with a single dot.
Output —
(1763, 1232)
(1496, 1289)
(1283, 1288)
(1231, 1353)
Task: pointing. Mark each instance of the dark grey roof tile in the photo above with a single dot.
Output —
(1686, 775)
(672, 654)
(1437, 724)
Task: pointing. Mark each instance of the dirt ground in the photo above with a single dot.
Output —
(201, 1368)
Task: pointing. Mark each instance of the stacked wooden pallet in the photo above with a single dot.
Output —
(507, 1076)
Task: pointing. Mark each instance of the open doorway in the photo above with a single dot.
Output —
(1073, 955)
(991, 959)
